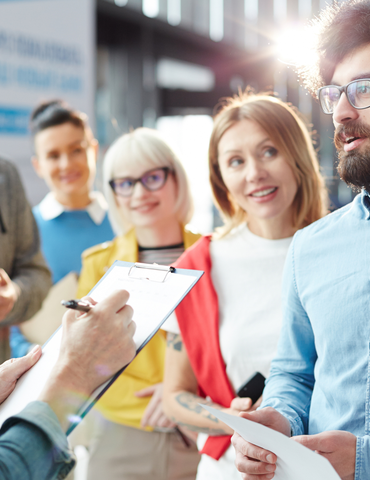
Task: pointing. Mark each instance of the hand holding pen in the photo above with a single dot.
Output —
(80, 305)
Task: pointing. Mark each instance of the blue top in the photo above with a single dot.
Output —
(33, 446)
(64, 235)
(64, 238)
(320, 377)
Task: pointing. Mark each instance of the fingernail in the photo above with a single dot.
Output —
(270, 458)
(270, 468)
(34, 350)
(269, 476)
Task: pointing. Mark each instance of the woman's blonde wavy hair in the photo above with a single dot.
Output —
(291, 137)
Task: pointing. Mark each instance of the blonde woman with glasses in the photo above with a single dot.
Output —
(266, 183)
(149, 205)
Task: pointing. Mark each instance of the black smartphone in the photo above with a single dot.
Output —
(253, 387)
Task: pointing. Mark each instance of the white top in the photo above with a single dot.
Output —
(50, 208)
(246, 273)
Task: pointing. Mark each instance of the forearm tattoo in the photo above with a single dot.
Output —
(209, 431)
(174, 341)
(191, 403)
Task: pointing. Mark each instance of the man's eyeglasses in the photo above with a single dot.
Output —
(152, 180)
(357, 93)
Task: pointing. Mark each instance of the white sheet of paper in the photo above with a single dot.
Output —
(152, 302)
(294, 460)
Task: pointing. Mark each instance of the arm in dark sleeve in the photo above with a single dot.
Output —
(33, 446)
(28, 270)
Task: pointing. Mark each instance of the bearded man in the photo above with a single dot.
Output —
(319, 388)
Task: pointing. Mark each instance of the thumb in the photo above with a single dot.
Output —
(256, 416)
(307, 441)
(18, 366)
(146, 392)
(3, 277)
(241, 403)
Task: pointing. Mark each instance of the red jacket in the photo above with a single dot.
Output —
(198, 319)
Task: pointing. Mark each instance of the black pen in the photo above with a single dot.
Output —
(77, 305)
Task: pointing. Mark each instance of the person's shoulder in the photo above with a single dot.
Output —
(190, 237)
(103, 255)
(98, 250)
(195, 254)
(7, 167)
(6, 163)
(331, 221)
(11, 187)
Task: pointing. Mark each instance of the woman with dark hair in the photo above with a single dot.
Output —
(266, 182)
(72, 217)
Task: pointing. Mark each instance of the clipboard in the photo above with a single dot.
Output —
(155, 292)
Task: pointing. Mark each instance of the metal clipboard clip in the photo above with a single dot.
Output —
(151, 266)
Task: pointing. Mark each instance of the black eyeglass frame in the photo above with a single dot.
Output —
(342, 89)
(166, 171)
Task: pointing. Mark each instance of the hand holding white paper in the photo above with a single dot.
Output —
(295, 462)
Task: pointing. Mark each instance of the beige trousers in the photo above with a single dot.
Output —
(118, 452)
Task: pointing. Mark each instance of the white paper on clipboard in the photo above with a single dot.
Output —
(152, 300)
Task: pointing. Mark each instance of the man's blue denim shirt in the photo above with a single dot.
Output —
(320, 377)
(33, 446)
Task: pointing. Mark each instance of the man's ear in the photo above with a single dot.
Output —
(36, 165)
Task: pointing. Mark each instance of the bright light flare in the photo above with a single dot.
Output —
(295, 47)
(151, 8)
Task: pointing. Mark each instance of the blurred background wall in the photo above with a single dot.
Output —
(47, 50)
(163, 64)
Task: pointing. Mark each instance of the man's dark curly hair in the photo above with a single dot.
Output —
(339, 30)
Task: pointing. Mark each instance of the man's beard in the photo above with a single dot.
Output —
(354, 166)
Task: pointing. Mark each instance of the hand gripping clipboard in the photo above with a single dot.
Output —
(155, 291)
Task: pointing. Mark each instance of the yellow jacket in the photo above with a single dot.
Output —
(119, 404)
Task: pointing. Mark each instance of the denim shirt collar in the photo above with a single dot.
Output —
(365, 200)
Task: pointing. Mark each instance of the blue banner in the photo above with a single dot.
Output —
(14, 121)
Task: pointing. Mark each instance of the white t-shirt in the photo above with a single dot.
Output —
(246, 273)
